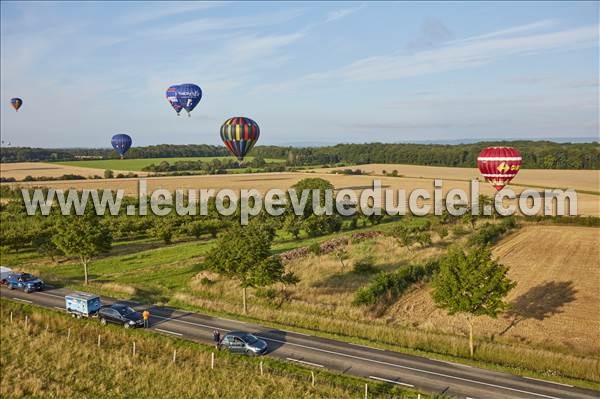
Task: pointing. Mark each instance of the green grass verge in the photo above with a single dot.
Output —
(62, 359)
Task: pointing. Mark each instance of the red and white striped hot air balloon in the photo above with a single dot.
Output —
(499, 165)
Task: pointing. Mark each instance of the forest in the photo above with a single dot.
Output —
(536, 154)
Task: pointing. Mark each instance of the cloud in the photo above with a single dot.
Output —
(152, 11)
(432, 32)
(460, 56)
(546, 23)
(341, 13)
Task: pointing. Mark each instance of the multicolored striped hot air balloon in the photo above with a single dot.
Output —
(239, 134)
(16, 103)
(499, 165)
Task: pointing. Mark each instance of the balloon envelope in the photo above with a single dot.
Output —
(188, 96)
(172, 98)
(16, 103)
(239, 134)
(121, 143)
(499, 165)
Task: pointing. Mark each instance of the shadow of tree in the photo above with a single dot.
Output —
(540, 302)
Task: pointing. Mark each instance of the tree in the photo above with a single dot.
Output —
(472, 284)
(244, 253)
(83, 236)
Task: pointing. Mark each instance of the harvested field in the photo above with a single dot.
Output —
(588, 204)
(586, 180)
(557, 298)
(20, 170)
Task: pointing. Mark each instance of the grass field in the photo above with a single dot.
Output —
(139, 164)
(20, 170)
(80, 369)
(151, 272)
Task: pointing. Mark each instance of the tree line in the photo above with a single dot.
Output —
(536, 154)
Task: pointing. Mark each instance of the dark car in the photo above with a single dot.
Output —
(243, 342)
(24, 281)
(122, 314)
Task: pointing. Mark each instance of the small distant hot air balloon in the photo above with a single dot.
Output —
(172, 98)
(16, 103)
(121, 143)
(499, 165)
(239, 134)
(188, 96)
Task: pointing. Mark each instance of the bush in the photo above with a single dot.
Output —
(459, 230)
(109, 174)
(489, 234)
(206, 281)
(315, 248)
(365, 266)
(267, 293)
(387, 287)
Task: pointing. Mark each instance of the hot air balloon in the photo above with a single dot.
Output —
(16, 103)
(172, 98)
(499, 165)
(188, 96)
(121, 143)
(239, 135)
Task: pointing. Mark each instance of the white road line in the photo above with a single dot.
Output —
(304, 362)
(368, 347)
(454, 364)
(549, 382)
(22, 300)
(370, 360)
(168, 332)
(54, 295)
(296, 332)
(234, 321)
(391, 381)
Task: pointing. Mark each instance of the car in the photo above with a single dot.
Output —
(24, 281)
(244, 343)
(120, 313)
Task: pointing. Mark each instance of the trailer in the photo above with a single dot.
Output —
(82, 304)
(4, 272)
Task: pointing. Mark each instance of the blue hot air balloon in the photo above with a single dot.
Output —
(188, 96)
(172, 98)
(121, 143)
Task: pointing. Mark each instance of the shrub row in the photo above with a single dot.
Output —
(388, 287)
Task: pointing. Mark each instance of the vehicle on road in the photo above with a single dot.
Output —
(82, 304)
(24, 281)
(120, 313)
(243, 343)
(4, 272)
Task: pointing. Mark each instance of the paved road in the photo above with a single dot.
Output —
(431, 376)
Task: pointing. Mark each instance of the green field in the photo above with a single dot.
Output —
(140, 163)
(82, 369)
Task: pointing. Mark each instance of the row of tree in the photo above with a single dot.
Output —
(536, 154)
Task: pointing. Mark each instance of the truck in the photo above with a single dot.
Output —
(23, 281)
(82, 304)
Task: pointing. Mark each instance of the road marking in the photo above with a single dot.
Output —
(391, 381)
(22, 300)
(296, 332)
(54, 295)
(168, 332)
(549, 382)
(366, 359)
(455, 364)
(304, 362)
(234, 321)
(368, 347)
(59, 308)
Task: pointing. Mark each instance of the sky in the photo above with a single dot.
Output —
(315, 73)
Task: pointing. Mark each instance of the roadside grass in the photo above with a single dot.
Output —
(62, 359)
(320, 303)
(139, 163)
